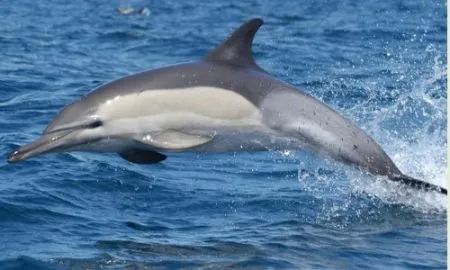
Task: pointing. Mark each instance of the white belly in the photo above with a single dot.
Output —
(233, 123)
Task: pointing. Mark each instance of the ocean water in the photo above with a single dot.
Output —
(379, 63)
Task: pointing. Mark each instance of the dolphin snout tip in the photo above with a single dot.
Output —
(15, 156)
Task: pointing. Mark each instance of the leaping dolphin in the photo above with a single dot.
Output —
(223, 102)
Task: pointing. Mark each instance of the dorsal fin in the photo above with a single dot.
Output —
(237, 48)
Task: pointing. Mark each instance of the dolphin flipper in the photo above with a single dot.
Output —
(417, 184)
(142, 156)
(173, 140)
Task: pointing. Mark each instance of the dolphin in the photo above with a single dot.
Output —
(222, 102)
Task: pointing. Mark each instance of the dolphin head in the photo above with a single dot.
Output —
(114, 116)
(73, 128)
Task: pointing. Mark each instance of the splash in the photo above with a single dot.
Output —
(423, 153)
(393, 193)
(407, 116)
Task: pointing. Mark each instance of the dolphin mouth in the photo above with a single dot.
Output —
(50, 142)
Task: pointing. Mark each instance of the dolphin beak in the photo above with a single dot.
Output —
(51, 142)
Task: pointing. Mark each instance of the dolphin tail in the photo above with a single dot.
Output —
(418, 184)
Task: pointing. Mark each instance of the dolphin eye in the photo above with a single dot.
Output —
(96, 124)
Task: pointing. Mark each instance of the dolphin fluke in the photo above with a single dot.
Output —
(418, 184)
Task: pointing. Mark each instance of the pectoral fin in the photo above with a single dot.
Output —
(142, 156)
(174, 140)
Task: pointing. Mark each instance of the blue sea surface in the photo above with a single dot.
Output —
(381, 64)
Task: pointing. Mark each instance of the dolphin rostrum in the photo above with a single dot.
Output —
(223, 102)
